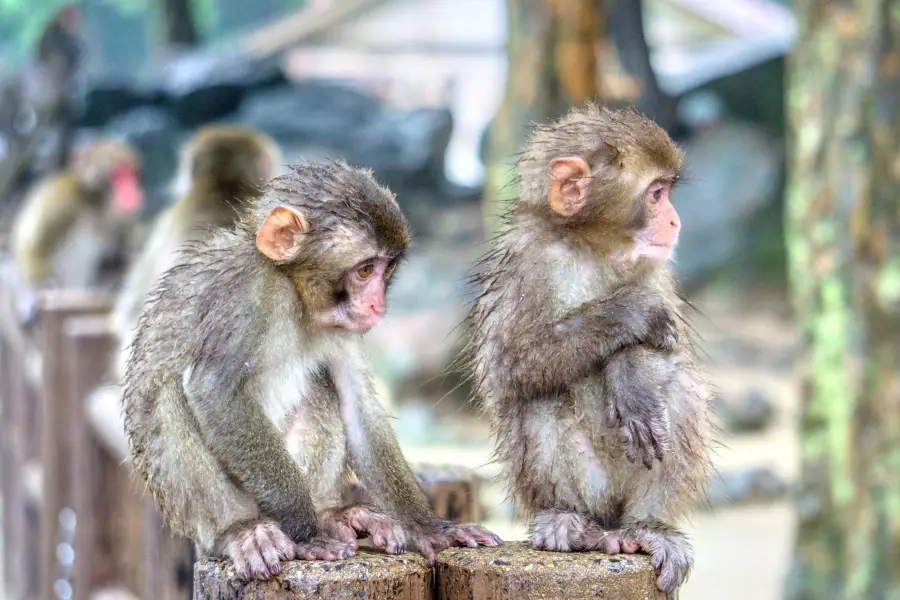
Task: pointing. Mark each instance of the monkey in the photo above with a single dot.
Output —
(224, 165)
(253, 329)
(578, 351)
(74, 220)
(58, 58)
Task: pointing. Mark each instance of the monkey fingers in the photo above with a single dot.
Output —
(663, 333)
(258, 549)
(471, 535)
(440, 535)
(362, 520)
(324, 547)
(642, 440)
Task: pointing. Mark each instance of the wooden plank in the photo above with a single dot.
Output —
(89, 341)
(57, 408)
(12, 430)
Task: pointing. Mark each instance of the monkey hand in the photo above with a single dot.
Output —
(361, 520)
(439, 534)
(663, 333)
(644, 423)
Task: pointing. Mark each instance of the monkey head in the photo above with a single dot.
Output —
(230, 155)
(606, 176)
(110, 168)
(69, 17)
(339, 236)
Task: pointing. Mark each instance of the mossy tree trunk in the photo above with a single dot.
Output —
(843, 236)
(553, 50)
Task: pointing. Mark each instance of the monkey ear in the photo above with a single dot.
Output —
(279, 236)
(569, 178)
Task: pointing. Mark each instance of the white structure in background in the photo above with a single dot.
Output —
(452, 52)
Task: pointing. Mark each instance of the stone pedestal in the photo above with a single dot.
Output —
(369, 575)
(513, 571)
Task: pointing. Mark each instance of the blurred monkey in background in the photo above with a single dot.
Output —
(223, 166)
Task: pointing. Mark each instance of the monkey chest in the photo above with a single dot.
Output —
(288, 389)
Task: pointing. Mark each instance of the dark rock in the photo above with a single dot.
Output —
(404, 148)
(745, 486)
(109, 96)
(749, 413)
(206, 86)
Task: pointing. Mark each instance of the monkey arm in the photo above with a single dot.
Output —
(43, 224)
(545, 356)
(374, 451)
(250, 449)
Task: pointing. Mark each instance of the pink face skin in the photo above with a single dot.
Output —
(365, 289)
(657, 241)
(127, 195)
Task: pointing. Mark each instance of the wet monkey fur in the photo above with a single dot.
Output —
(578, 351)
(257, 327)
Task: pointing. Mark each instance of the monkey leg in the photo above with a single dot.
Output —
(358, 521)
(256, 547)
(636, 382)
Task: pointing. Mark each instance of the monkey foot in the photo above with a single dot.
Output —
(323, 547)
(432, 539)
(360, 520)
(669, 552)
(563, 531)
(257, 550)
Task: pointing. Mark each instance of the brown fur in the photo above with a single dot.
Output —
(227, 355)
(571, 339)
(64, 230)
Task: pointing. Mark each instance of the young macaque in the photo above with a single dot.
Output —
(72, 222)
(252, 329)
(224, 166)
(579, 354)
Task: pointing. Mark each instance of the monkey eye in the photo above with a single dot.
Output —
(656, 192)
(365, 271)
(390, 268)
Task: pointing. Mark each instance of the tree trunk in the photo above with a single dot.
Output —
(627, 29)
(843, 238)
(552, 50)
(178, 27)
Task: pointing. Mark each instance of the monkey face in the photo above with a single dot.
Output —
(657, 240)
(339, 248)
(360, 302)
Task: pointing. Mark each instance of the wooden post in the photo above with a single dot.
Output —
(56, 413)
(452, 492)
(513, 571)
(370, 575)
(13, 455)
(89, 343)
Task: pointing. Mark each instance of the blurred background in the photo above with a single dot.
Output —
(787, 113)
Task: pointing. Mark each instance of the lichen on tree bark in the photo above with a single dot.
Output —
(843, 235)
